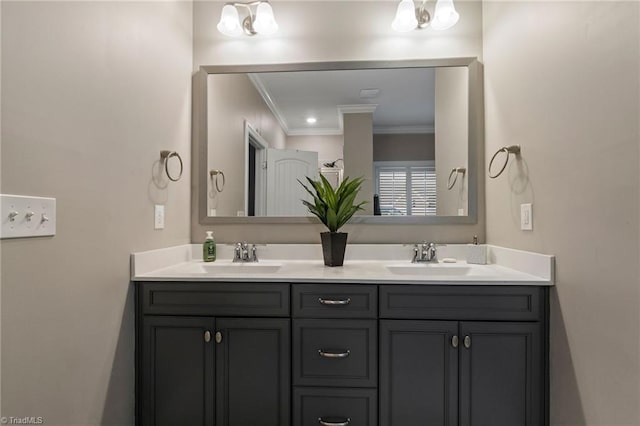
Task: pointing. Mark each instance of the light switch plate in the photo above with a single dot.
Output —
(24, 216)
(526, 217)
(158, 221)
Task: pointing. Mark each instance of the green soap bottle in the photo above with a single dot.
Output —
(209, 248)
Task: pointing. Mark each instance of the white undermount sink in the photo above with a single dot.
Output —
(241, 268)
(434, 269)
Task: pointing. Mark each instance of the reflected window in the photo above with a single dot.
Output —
(406, 188)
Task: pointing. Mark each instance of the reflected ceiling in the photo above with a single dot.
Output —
(404, 98)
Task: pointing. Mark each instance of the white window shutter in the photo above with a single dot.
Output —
(406, 189)
(423, 191)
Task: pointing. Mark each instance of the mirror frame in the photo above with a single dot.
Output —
(475, 139)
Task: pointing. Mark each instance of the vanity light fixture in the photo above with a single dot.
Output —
(312, 120)
(409, 18)
(261, 21)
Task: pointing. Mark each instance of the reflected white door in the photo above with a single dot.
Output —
(284, 168)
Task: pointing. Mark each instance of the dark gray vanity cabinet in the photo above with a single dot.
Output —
(438, 371)
(275, 354)
(335, 354)
(209, 370)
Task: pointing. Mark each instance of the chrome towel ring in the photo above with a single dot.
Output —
(512, 149)
(454, 174)
(164, 158)
(217, 174)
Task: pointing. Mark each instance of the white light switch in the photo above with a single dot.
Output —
(526, 217)
(24, 216)
(158, 222)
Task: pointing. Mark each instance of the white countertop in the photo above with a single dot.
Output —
(364, 264)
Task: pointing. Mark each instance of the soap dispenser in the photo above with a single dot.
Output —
(209, 248)
(476, 254)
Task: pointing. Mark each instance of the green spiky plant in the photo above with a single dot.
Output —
(334, 207)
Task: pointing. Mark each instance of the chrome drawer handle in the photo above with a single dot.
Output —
(334, 302)
(325, 354)
(325, 423)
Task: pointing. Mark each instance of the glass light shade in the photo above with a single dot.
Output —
(265, 23)
(405, 19)
(445, 15)
(229, 21)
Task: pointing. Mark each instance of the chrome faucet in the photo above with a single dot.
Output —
(425, 252)
(242, 253)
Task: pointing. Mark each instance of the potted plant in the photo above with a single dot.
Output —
(334, 207)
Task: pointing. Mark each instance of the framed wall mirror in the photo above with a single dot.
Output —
(412, 129)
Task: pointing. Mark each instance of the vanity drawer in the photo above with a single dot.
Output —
(350, 407)
(216, 299)
(334, 301)
(499, 303)
(335, 352)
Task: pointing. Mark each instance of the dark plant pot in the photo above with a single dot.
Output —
(333, 247)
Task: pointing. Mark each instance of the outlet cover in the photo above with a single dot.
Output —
(526, 217)
(158, 222)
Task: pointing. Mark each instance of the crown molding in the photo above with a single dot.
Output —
(396, 130)
(264, 93)
(315, 132)
(354, 109)
(357, 109)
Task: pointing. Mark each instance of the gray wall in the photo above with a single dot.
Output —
(92, 91)
(452, 138)
(339, 31)
(328, 147)
(562, 80)
(358, 155)
(404, 147)
(232, 100)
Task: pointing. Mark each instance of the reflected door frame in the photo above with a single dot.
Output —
(333, 174)
(253, 138)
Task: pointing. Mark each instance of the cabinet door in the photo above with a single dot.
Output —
(253, 372)
(418, 373)
(177, 371)
(501, 374)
